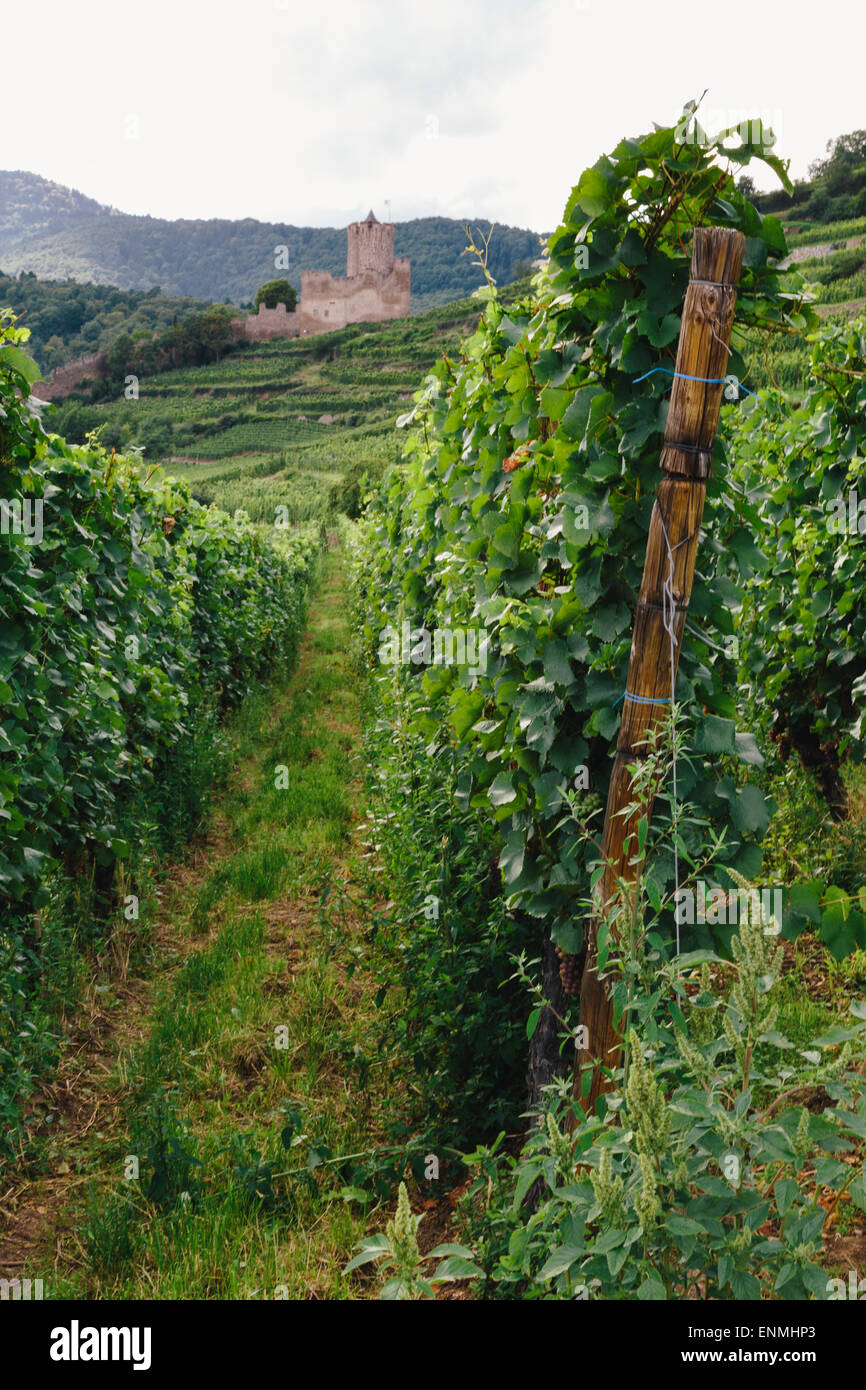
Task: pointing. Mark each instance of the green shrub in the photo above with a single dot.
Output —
(448, 945)
(697, 1177)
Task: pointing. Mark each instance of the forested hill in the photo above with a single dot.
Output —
(67, 319)
(32, 206)
(835, 190)
(58, 233)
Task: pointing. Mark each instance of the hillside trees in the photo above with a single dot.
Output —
(844, 168)
(67, 319)
(277, 292)
(191, 341)
(836, 187)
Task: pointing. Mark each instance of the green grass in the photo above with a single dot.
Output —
(255, 1028)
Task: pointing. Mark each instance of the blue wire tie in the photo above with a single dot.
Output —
(684, 376)
(641, 699)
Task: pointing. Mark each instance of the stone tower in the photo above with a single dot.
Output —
(376, 287)
(371, 247)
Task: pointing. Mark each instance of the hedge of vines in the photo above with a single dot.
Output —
(483, 526)
(798, 466)
(134, 607)
(802, 468)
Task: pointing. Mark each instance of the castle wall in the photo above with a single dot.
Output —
(332, 302)
(64, 379)
(329, 302)
(267, 324)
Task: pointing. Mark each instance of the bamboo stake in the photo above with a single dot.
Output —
(686, 458)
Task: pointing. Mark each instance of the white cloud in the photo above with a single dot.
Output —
(309, 114)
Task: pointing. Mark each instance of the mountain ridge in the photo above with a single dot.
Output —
(59, 233)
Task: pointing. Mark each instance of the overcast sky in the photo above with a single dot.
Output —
(309, 113)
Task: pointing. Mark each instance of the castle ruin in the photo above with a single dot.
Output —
(375, 287)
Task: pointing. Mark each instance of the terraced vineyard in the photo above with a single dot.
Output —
(279, 423)
(832, 256)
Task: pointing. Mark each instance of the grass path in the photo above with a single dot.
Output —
(165, 1172)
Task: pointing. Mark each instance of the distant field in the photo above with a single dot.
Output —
(837, 275)
(279, 424)
(817, 232)
(285, 420)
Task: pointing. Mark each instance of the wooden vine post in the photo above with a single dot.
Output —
(708, 316)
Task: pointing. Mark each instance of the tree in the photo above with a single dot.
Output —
(53, 355)
(117, 359)
(215, 330)
(73, 421)
(277, 292)
(844, 163)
